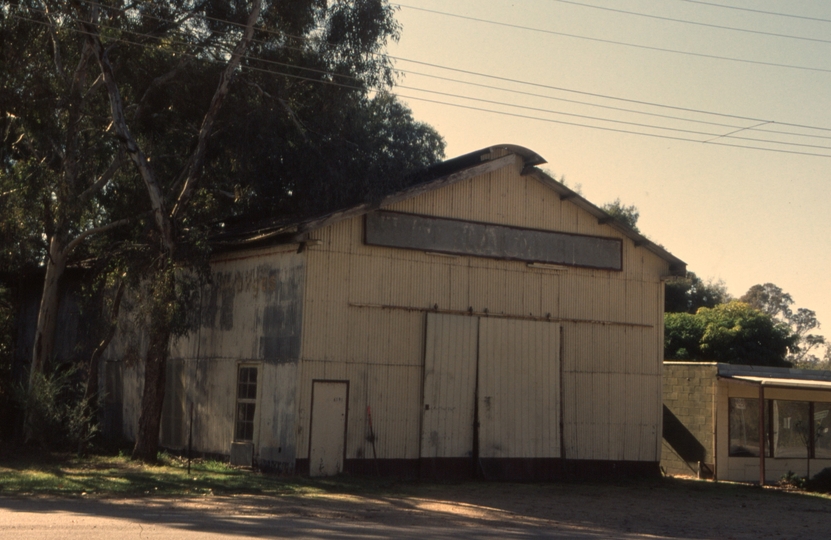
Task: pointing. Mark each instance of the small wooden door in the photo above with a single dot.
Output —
(327, 444)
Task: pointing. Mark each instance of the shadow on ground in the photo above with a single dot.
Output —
(660, 509)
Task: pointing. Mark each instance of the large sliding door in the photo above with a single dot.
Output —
(519, 389)
(449, 392)
(491, 393)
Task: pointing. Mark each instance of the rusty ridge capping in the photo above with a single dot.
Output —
(486, 313)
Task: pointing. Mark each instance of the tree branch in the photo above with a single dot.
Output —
(158, 81)
(56, 51)
(129, 142)
(116, 164)
(96, 84)
(197, 158)
(293, 117)
(95, 230)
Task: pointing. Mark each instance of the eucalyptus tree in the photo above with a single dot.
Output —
(771, 299)
(149, 121)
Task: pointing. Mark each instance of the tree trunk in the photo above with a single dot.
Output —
(152, 400)
(91, 391)
(44, 343)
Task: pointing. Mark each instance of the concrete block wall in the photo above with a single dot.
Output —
(688, 447)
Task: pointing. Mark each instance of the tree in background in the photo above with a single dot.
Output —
(626, 214)
(773, 301)
(689, 293)
(734, 332)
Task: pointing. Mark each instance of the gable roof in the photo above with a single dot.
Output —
(435, 177)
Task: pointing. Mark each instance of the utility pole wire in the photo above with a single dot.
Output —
(622, 43)
(318, 81)
(696, 23)
(512, 80)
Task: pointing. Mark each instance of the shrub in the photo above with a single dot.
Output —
(58, 417)
(821, 481)
(791, 480)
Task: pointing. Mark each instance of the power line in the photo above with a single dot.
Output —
(668, 137)
(602, 96)
(636, 124)
(481, 100)
(803, 17)
(684, 21)
(613, 108)
(319, 81)
(622, 43)
(593, 94)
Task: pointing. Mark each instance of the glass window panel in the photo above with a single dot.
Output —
(246, 403)
(247, 383)
(822, 430)
(791, 429)
(744, 427)
(245, 422)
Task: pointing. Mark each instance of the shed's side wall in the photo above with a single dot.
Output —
(746, 469)
(249, 314)
(364, 321)
(689, 416)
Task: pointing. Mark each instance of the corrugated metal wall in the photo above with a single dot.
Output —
(363, 321)
(250, 313)
(519, 389)
(450, 370)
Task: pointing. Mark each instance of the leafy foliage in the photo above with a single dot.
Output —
(689, 293)
(775, 302)
(128, 134)
(627, 214)
(7, 328)
(56, 412)
(734, 333)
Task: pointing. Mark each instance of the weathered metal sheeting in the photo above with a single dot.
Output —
(370, 302)
(393, 393)
(250, 313)
(518, 389)
(391, 229)
(450, 362)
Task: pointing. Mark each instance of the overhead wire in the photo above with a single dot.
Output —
(622, 43)
(696, 23)
(752, 10)
(512, 80)
(717, 136)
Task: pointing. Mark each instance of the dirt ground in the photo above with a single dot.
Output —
(667, 509)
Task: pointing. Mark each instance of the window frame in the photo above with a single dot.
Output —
(771, 429)
(247, 400)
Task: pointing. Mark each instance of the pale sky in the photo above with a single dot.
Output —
(744, 216)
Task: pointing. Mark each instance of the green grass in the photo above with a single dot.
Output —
(105, 476)
(116, 476)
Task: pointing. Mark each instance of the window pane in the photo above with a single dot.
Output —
(822, 430)
(245, 422)
(247, 383)
(744, 427)
(246, 396)
(791, 432)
